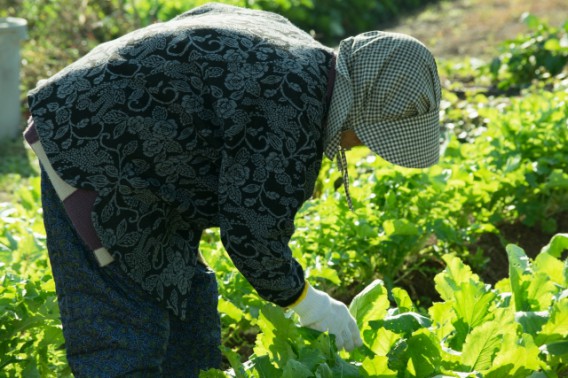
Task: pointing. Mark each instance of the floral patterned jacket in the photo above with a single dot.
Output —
(212, 119)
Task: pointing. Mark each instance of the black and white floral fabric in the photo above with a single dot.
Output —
(213, 119)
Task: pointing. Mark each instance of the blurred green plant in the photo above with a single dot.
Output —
(540, 54)
(332, 20)
(61, 31)
(31, 339)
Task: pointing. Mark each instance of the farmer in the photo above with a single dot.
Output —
(217, 118)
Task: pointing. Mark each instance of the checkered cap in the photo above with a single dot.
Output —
(387, 90)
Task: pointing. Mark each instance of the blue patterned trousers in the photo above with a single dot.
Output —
(112, 328)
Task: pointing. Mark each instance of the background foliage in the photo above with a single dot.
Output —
(539, 55)
(60, 31)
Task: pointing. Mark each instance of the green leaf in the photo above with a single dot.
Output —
(565, 273)
(381, 340)
(481, 345)
(471, 300)
(473, 303)
(370, 304)
(295, 369)
(377, 367)
(213, 373)
(276, 331)
(519, 266)
(558, 348)
(539, 291)
(443, 316)
(557, 245)
(557, 326)
(424, 354)
(551, 267)
(397, 356)
(518, 259)
(531, 321)
(403, 301)
(344, 369)
(552, 44)
(516, 358)
(227, 308)
(31, 369)
(325, 272)
(531, 20)
(324, 371)
(264, 367)
(311, 357)
(405, 323)
(235, 361)
(400, 227)
(325, 343)
(495, 66)
(557, 180)
(450, 280)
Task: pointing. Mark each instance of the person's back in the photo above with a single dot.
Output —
(169, 101)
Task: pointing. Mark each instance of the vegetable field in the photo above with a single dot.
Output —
(459, 270)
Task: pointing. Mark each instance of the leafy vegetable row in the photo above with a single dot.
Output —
(519, 328)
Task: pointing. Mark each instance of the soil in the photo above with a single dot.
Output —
(531, 239)
(474, 28)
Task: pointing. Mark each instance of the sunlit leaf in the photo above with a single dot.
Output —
(425, 355)
(370, 304)
(481, 346)
(557, 245)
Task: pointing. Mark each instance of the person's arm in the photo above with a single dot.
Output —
(268, 170)
(260, 191)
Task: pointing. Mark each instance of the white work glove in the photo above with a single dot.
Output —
(321, 312)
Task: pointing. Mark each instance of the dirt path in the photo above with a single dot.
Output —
(474, 28)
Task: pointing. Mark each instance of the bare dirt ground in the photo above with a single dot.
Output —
(474, 28)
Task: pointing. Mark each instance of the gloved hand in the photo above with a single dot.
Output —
(321, 312)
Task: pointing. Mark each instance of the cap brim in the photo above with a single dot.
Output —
(412, 142)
